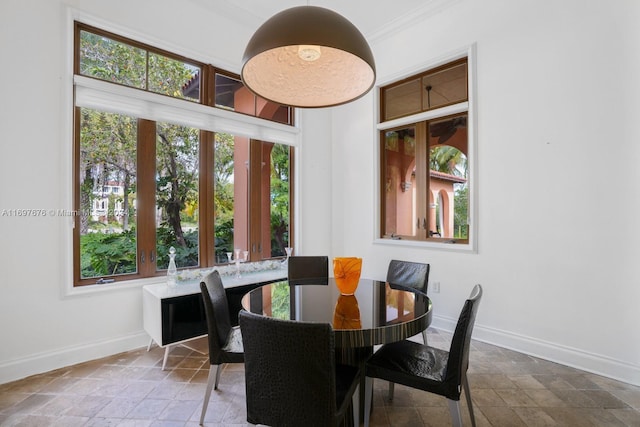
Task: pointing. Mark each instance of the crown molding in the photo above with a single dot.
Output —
(427, 10)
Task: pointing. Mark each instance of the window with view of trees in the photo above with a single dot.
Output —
(143, 185)
(424, 153)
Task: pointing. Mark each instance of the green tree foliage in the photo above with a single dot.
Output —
(447, 159)
(109, 154)
(176, 174)
(113, 61)
(185, 255)
(280, 300)
(461, 211)
(279, 199)
(450, 160)
(223, 195)
(108, 254)
(167, 76)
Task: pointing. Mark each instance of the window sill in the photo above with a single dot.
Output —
(227, 272)
(442, 246)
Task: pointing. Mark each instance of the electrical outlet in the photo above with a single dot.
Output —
(436, 287)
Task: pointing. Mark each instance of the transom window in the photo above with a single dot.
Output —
(430, 90)
(115, 61)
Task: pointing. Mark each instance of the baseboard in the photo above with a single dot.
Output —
(590, 362)
(553, 352)
(43, 362)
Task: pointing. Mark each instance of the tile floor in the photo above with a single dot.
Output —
(130, 389)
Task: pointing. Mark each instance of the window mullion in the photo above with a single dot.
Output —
(255, 196)
(422, 180)
(206, 200)
(146, 204)
(208, 86)
(206, 196)
(77, 276)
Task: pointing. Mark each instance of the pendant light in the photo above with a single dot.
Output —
(309, 57)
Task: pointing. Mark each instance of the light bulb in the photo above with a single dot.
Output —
(308, 53)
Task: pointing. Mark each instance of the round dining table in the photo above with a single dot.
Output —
(377, 313)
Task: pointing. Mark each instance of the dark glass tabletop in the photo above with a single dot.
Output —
(376, 314)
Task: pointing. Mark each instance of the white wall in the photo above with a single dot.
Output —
(557, 178)
(42, 328)
(313, 184)
(557, 86)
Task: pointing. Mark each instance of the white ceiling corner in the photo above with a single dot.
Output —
(375, 20)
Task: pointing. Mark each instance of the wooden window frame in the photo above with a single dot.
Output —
(421, 121)
(78, 27)
(146, 231)
(208, 71)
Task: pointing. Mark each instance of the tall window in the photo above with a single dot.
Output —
(108, 220)
(424, 148)
(148, 178)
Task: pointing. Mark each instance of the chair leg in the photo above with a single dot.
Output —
(391, 390)
(424, 336)
(218, 370)
(355, 402)
(467, 394)
(454, 409)
(368, 396)
(150, 343)
(207, 393)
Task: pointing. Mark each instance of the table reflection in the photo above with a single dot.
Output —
(346, 315)
(375, 314)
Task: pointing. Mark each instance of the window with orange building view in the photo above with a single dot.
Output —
(424, 164)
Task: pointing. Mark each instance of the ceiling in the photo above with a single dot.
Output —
(373, 22)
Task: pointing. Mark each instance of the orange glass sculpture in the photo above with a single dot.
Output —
(346, 271)
(347, 313)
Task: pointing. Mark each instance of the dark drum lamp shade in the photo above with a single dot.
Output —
(308, 57)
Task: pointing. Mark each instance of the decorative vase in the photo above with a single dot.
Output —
(172, 271)
(346, 315)
(346, 271)
(285, 262)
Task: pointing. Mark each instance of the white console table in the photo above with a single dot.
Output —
(174, 316)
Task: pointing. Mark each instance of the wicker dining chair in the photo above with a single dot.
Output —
(303, 270)
(291, 375)
(409, 275)
(428, 368)
(225, 341)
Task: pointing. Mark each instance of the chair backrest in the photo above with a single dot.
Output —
(407, 274)
(216, 311)
(304, 270)
(458, 361)
(289, 371)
